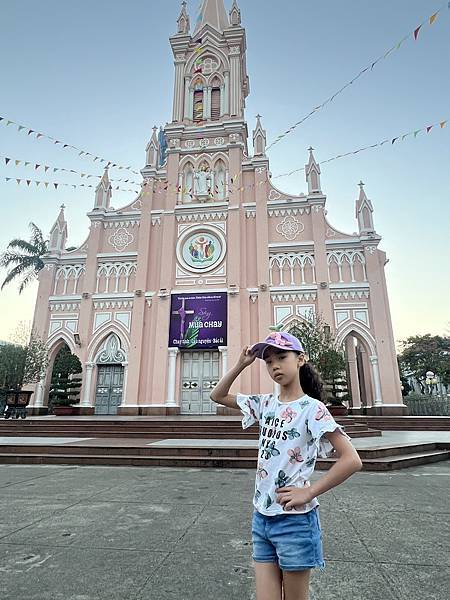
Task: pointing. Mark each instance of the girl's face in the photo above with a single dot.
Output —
(283, 365)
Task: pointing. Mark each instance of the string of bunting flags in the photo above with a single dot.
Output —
(401, 138)
(163, 186)
(63, 145)
(415, 34)
(29, 164)
(58, 184)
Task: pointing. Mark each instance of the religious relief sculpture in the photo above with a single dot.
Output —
(202, 183)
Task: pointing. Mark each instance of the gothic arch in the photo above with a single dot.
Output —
(111, 351)
(354, 329)
(188, 158)
(219, 156)
(208, 52)
(100, 338)
(215, 76)
(54, 346)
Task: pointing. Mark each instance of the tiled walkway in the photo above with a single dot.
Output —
(124, 533)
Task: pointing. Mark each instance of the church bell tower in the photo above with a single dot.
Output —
(207, 138)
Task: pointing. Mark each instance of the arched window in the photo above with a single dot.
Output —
(188, 182)
(220, 180)
(215, 99)
(198, 100)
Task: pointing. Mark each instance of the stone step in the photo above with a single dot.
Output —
(91, 449)
(375, 464)
(416, 423)
(251, 433)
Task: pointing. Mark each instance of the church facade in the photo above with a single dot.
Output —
(164, 293)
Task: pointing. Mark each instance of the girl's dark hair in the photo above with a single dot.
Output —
(311, 382)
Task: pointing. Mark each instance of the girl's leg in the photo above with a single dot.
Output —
(268, 581)
(296, 584)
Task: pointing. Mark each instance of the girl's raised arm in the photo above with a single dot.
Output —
(220, 393)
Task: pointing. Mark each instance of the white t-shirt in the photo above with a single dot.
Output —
(290, 439)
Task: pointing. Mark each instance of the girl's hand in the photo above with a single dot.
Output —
(246, 357)
(293, 497)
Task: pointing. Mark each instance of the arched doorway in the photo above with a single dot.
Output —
(358, 355)
(65, 382)
(111, 360)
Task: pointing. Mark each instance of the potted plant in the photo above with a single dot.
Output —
(21, 365)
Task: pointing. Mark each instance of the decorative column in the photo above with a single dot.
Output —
(353, 370)
(376, 380)
(224, 352)
(206, 103)
(178, 88)
(124, 384)
(235, 81)
(222, 100)
(86, 399)
(187, 85)
(39, 394)
(226, 94)
(191, 104)
(171, 376)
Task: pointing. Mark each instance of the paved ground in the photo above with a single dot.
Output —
(121, 533)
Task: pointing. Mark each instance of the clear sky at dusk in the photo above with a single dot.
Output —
(99, 75)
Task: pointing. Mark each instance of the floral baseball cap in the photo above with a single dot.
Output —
(280, 340)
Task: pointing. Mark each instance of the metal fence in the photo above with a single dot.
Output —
(423, 405)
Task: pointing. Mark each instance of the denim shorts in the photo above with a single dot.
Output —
(293, 541)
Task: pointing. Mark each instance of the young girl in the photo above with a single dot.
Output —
(295, 428)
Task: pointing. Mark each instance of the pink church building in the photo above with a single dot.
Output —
(165, 291)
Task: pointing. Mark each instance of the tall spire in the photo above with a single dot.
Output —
(235, 15)
(212, 12)
(58, 233)
(259, 138)
(183, 20)
(312, 173)
(103, 192)
(364, 212)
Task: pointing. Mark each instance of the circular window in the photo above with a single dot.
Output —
(200, 249)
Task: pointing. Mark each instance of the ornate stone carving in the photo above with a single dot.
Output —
(120, 239)
(290, 227)
(274, 195)
(112, 351)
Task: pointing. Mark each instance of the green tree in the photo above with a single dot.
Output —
(23, 364)
(65, 387)
(422, 353)
(24, 259)
(320, 346)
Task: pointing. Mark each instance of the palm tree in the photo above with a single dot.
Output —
(24, 259)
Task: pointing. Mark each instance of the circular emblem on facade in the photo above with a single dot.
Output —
(190, 143)
(204, 142)
(200, 249)
(219, 141)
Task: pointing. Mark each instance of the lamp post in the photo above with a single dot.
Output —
(431, 381)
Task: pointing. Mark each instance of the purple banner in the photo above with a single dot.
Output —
(198, 321)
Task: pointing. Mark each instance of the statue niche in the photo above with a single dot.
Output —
(203, 183)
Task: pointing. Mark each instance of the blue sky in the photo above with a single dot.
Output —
(99, 75)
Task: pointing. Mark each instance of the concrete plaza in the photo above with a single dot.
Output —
(130, 533)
